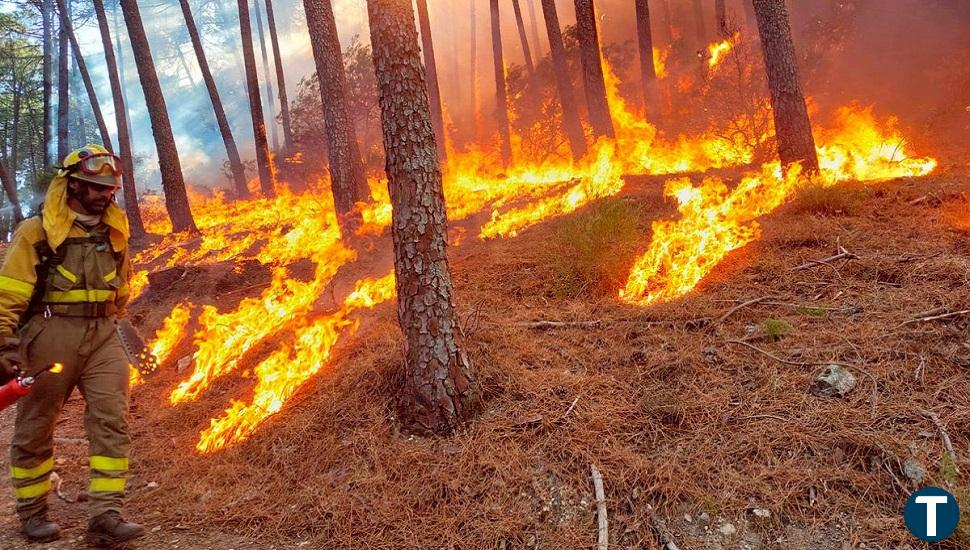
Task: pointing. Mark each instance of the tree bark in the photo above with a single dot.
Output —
(280, 79)
(648, 73)
(589, 48)
(268, 82)
(85, 76)
(720, 17)
(501, 96)
(47, 10)
(571, 126)
(135, 222)
(10, 188)
(793, 130)
(473, 66)
(700, 28)
(176, 201)
(264, 162)
(668, 25)
(347, 178)
(526, 52)
(63, 93)
(232, 152)
(434, 92)
(440, 390)
(121, 65)
(534, 29)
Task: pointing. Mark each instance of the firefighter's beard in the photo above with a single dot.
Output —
(90, 201)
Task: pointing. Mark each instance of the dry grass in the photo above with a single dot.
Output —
(673, 416)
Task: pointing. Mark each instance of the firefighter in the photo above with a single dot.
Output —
(63, 282)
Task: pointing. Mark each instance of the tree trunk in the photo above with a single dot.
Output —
(589, 48)
(47, 10)
(793, 130)
(176, 201)
(501, 96)
(63, 93)
(280, 80)
(534, 29)
(720, 17)
(10, 188)
(526, 52)
(668, 25)
(16, 89)
(571, 126)
(700, 28)
(749, 16)
(473, 67)
(440, 390)
(121, 121)
(85, 76)
(177, 46)
(434, 92)
(648, 73)
(121, 65)
(347, 179)
(264, 162)
(232, 152)
(268, 82)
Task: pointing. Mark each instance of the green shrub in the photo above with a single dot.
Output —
(593, 250)
(775, 329)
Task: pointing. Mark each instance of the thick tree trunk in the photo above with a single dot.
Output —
(440, 390)
(176, 201)
(534, 29)
(571, 126)
(700, 28)
(648, 73)
(63, 93)
(589, 48)
(232, 152)
(47, 11)
(10, 188)
(434, 92)
(526, 52)
(793, 130)
(121, 121)
(347, 179)
(85, 76)
(268, 82)
(720, 18)
(264, 162)
(280, 79)
(501, 96)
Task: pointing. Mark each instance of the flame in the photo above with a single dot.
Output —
(660, 62)
(719, 50)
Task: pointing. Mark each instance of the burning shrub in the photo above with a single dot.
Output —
(592, 251)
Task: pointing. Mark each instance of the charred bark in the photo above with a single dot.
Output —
(440, 390)
(571, 126)
(589, 49)
(135, 222)
(434, 92)
(793, 130)
(85, 76)
(526, 52)
(176, 201)
(232, 152)
(648, 73)
(280, 79)
(347, 179)
(63, 93)
(264, 162)
(268, 82)
(501, 95)
(46, 11)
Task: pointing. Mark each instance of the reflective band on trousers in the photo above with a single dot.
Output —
(77, 296)
(33, 491)
(30, 473)
(109, 464)
(107, 485)
(16, 286)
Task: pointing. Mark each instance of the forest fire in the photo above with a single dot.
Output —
(717, 52)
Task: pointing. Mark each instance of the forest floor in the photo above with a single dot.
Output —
(723, 442)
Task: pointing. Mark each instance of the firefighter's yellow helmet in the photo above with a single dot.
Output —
(93, 163)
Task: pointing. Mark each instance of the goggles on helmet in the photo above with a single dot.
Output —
(98, 164)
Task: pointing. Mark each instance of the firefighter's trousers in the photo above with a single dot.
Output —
(95, 362)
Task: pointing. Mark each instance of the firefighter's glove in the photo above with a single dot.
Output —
(11, 360)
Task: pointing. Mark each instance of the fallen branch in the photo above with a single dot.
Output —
(947, 444)
(541, 325)
(603, 540)
(842, 255)
(547, 324)
(738, 307)
(935, 317)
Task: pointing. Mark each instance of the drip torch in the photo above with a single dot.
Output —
(22, 385)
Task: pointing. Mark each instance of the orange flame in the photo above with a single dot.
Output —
(719, 50)
(660, 62)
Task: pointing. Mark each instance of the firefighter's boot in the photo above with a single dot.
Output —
(109, 528)
(38, 528)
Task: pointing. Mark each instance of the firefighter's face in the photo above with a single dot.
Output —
(91, 197)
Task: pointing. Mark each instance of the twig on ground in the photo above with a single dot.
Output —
(660, 530)
(571, 407)
(559, 324)
(740, 306)
(947, 444)
(603, 540)
(547, 324)
(786, 361)
(244, 289)
(842, 255)
(935, 317)
(57, 482)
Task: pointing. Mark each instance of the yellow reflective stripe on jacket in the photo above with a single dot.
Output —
(15, 286)
(30, 473)
(77, 296)
(111, 276)
(67, 274)
(33, 491)
(108, 463)
(107, 485)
